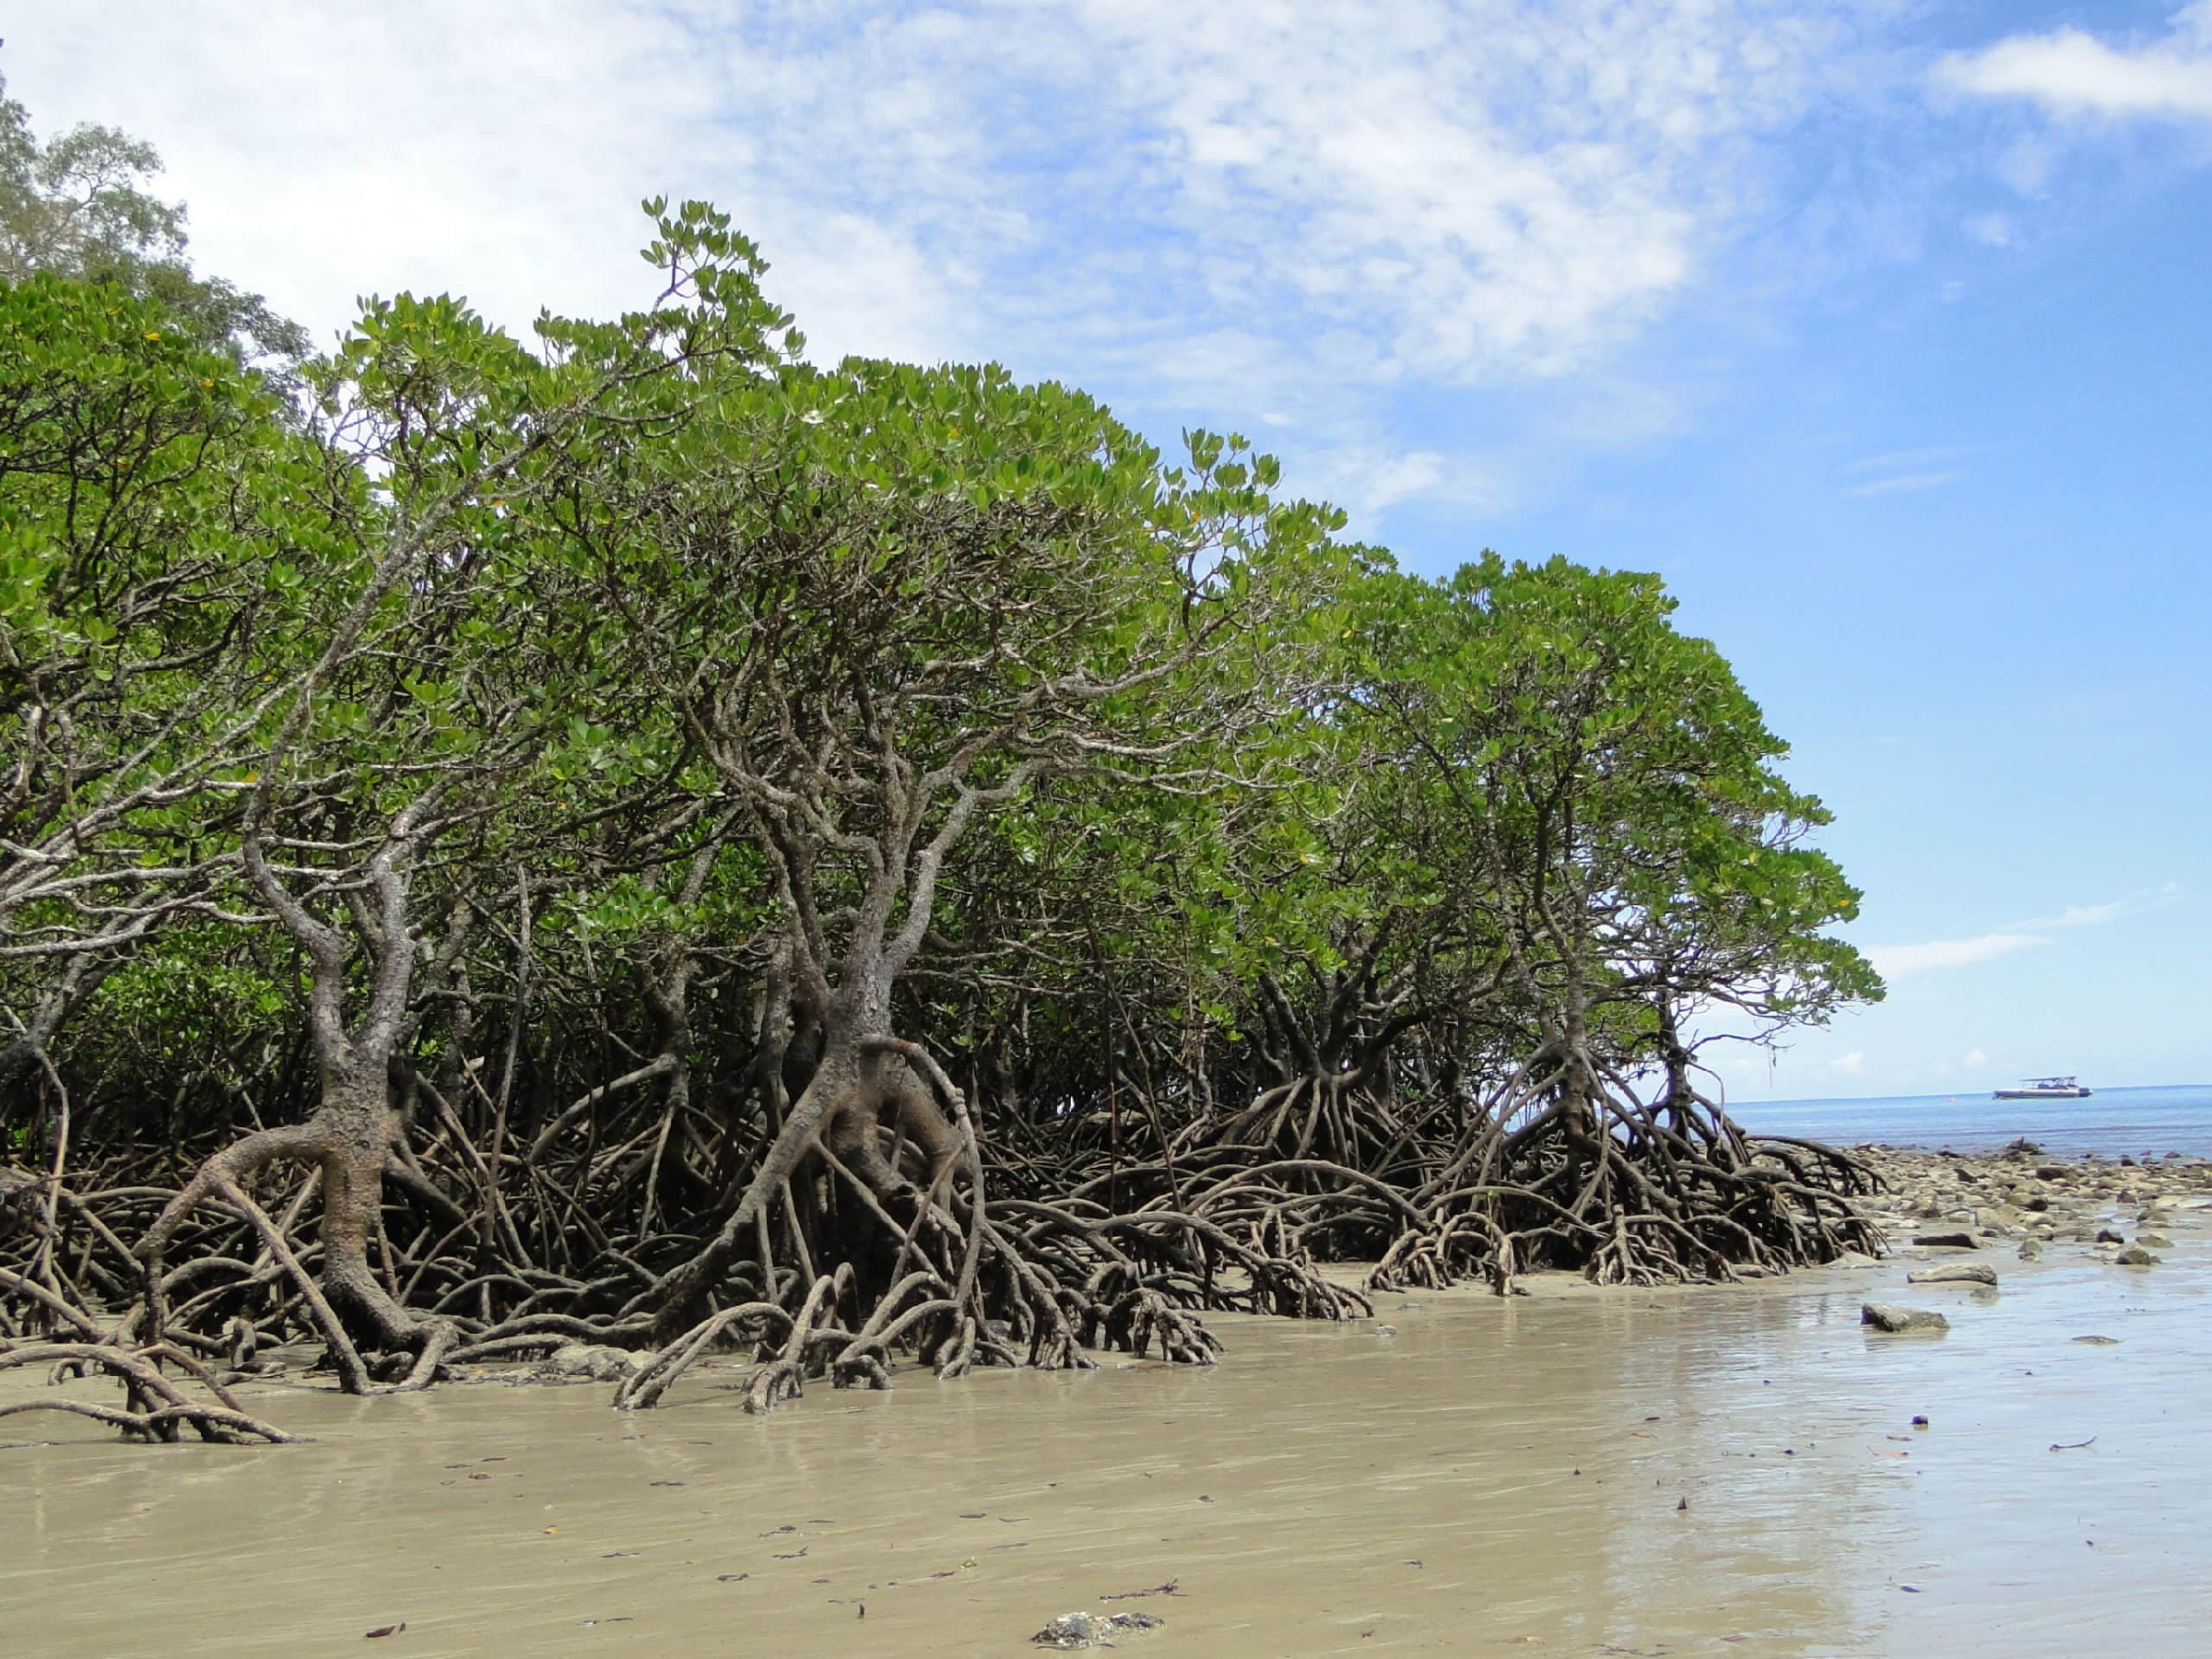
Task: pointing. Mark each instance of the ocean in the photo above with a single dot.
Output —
(2176, 1118)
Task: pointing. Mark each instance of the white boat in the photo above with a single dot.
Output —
(2045, 1088)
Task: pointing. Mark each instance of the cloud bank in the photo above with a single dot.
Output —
(1322, 210)
(1297, 206)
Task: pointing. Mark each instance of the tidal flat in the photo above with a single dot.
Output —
(1575, 1471)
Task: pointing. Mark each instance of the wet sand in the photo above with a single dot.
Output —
(1496, 1476)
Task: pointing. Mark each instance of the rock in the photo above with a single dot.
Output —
(1384, 1330)
(589, 1362)
(1948, 1240)
(1887, 1316)
(1073, 1631)
(2135, 1255)
(2052, 1171)
(1955, 1272)
(2031, 1251)
(2105, 1235)
(2154, 1240)
(2100, 1341)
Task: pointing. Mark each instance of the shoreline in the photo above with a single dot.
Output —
(1690, 1468)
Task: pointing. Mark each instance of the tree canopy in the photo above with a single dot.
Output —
(633, 836)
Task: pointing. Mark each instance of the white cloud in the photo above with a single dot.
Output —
(2069, 73)
(1991, 229)
(1852, 1062)
(1896, 459)
(1501, 186)
(2025, 165)
(1906, 483)
(430, 145)
(1907, 470)
(1974, 1059)
(1896, 962)
(1377, 482)
(2090, 915)
(2086, 916)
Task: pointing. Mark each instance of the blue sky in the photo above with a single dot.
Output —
(1882, 330)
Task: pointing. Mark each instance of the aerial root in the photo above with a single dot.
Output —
(1144, 1316)
(1071, 1252)
(156, 1409)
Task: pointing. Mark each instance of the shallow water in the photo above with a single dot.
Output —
(1496, 1476)
(2144, 1121)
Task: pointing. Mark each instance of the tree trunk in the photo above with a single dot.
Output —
(356, 1130)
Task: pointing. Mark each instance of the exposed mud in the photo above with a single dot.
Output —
(1495, 1476)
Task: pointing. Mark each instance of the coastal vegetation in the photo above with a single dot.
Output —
(636, 838)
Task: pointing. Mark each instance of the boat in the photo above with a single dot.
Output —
(2045, 1088)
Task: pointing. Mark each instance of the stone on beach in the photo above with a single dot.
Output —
(1955, 1272)
(1072, 1630)
(2135, 1255)
(1887, 1316)
(589, 1362)
(1948, 1240)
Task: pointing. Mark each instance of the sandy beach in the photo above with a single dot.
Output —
(1574, 1471)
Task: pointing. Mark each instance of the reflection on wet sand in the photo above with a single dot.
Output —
(1496, 1476)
